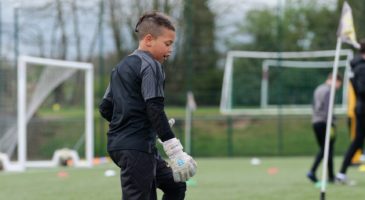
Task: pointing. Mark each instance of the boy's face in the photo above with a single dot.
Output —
(338, 84)
(161, 46)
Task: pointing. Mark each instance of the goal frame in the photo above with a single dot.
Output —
(23, 63)
(268, 63)
(226, 95)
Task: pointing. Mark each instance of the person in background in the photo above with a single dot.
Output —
(321, 102)
(358, 82)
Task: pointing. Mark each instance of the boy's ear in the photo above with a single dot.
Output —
(148, 39)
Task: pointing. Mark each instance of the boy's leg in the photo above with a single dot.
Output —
(320, 134)
(165, 182)
(137, 174)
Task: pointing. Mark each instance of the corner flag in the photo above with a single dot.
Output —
(346, 30)
(345, 33)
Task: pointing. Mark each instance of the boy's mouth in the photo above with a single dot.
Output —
(165, 57)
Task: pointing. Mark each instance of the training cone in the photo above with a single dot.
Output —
(191, 182)
(272, 170)
(62, 174)
(318, 184)
(362, 168)
(109, 173)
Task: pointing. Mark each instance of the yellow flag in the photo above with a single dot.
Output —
(346, 29)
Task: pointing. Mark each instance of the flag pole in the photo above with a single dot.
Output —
(329, 120)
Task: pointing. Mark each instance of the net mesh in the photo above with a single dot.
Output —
(258, 83)
(42, 81)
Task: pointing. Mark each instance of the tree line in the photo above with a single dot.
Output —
(102, 32)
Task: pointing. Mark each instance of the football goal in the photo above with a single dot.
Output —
(51, 92)
(269, 83)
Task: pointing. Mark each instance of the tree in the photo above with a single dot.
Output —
(115, 25)
(195, 65)
(304, 25)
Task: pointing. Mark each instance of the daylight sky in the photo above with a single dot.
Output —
(228, 14)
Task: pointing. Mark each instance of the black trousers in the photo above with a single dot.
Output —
(141, 173)
(357, 143)
(320, 134)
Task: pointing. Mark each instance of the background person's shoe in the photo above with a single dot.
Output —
(343, 180)
(312, 177)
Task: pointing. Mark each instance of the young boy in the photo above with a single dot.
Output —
(321, 99)
(134, 104)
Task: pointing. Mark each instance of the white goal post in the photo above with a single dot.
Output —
(23, 111)
(275, 59)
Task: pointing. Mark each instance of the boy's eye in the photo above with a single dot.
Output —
(168, 43)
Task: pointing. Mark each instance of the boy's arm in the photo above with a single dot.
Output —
(157, 116)
(183, 165)
(106, 105)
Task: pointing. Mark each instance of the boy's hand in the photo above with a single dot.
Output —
(183, 166)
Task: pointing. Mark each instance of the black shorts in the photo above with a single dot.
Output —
(141, 173)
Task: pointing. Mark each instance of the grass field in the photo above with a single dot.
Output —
(211, 136)
(276, 178)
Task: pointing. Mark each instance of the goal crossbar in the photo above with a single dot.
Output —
(276, 59)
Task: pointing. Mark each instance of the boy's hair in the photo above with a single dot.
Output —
(362, 45)
(151, 23)
(338, 77)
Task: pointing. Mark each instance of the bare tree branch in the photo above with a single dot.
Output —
(76, 30)
(115, 26)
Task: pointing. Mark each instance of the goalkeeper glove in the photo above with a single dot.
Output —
(183, 166)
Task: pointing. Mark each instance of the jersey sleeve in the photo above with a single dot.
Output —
(152, 81)
(106, 105)
(158, 118)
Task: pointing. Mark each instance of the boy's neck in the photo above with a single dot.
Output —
(145, 50)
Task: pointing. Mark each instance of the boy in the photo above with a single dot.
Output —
(134, 104)
(321, 99)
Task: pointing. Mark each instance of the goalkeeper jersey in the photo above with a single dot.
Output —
(136, 79)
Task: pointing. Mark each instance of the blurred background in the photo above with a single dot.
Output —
(102, 32)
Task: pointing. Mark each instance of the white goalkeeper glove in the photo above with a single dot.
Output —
(171, 122)
(183, 166)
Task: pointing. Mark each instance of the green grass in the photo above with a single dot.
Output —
(251, 136)
(216, 179)
(179, 112)
(171, 111)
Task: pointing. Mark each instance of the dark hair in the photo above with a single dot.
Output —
(338, 77)
(362, 45)
(151, 23)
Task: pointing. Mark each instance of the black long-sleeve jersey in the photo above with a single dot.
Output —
(358, 82)
(134, 104)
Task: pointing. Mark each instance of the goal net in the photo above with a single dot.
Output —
(54, 114)
(269, 83)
